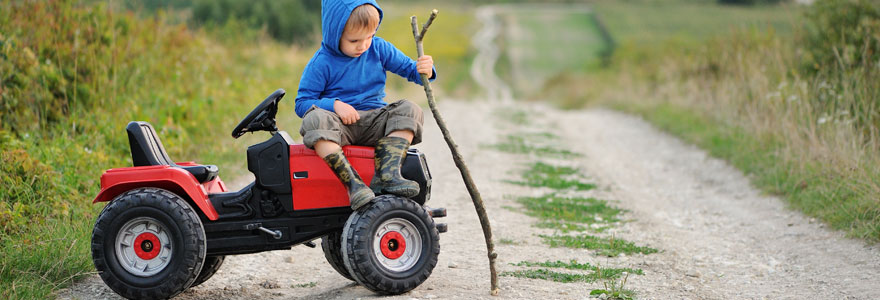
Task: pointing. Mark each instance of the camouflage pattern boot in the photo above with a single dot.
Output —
(358, 193)
(389, 157)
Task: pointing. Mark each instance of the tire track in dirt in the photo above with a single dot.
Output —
(483, 67)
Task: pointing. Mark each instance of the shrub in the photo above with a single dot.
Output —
(842, 34)
(291, 21)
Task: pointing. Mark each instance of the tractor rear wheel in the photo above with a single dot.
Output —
(391, 245)
(212, 264)
(332, 246)
(148, 243)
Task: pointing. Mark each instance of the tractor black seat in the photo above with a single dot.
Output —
(147, 150)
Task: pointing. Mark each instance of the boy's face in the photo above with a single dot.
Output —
(355, 42)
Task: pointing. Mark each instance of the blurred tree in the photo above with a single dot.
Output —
(843, 34)
(292, 21)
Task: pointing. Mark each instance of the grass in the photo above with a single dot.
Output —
(519, 145)
(575, 265)
(615, 289)
(565, 227)
(596, 273)
(570, 209)
(541, 174)
(506, 241)
(690, 22)
(73, 76)
(605, 246)
(310, 284)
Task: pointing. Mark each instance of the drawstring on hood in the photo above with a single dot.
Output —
(334, 16)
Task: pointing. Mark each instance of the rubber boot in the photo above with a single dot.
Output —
(389, 157)
(358, 193)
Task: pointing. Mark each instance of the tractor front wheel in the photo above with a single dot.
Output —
(390, 246)
(148, 243)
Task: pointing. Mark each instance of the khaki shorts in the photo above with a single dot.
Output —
(321, 124)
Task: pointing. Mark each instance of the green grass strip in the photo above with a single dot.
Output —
(604, 246)
(575, 265)
(519, 145)
(574, 209)
(597, 273)
(541, 174)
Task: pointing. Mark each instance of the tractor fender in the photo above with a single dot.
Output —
(117, 181)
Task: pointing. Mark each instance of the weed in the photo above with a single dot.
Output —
(554, 177)
(305, 285)
(570, 209)
(505, 241)
(519, 145)
(565, 227)
(596, 273)
(615, 289)
(604, 246)
(512, 116)
(575, 265)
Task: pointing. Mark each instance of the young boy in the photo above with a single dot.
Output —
(341, 93)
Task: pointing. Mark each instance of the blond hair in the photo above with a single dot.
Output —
(365, 16)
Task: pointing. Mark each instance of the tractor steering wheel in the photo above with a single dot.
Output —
(262, 117)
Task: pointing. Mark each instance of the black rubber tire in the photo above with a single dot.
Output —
(185, 232)
(332, 246)
(360, 258)
(212, 264)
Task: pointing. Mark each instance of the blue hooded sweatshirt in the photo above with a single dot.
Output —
(359, 81)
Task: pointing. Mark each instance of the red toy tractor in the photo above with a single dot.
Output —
(168, 226)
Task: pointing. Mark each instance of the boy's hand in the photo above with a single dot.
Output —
(425, 65)
(346, 112)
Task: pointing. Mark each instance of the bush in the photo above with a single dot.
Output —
(291, 21)
(842, 33)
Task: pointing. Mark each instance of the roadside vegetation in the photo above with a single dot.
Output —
(787, 93)
(71, 77)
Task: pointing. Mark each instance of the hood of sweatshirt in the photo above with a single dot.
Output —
(334, 16)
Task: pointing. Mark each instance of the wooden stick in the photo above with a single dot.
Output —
(456, 156)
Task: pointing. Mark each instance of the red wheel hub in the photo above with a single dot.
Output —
(392, 245)
(147, 246)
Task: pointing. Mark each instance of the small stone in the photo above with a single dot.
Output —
(267, 284)
(430, 288)
(429, 296)
(603, 296)
(288, 259)
(453, 265)
(693, 273)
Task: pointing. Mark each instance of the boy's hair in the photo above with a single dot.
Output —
(363, 16)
